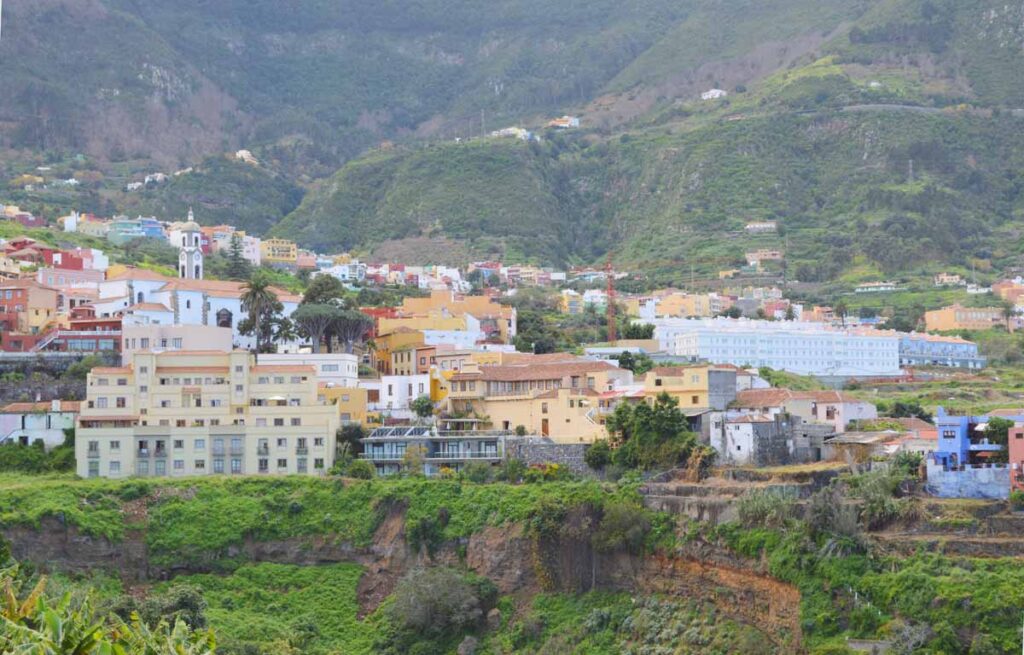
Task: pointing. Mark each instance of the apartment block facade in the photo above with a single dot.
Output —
(203, 413)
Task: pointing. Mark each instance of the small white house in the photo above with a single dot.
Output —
(713, 94)
(25, 423)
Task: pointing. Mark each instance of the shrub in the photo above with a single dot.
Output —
(361, 469)
(623, 525)
(478, 472)
(437, 601)
(599, 455)
(765, 509)
(1017, 500)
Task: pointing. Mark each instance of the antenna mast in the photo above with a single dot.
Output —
(610, 303)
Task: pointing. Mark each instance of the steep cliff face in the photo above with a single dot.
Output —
(515, 560)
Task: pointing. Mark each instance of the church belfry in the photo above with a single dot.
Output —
(190, 259)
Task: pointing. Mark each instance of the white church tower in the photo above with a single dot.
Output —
(190, 259)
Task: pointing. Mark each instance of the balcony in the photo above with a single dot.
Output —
(301, 450)
(143, 452)
(218, 452)
(94, 453)
(160, 452)
(263, 451)
(237, 450)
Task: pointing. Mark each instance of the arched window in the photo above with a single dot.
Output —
(184, 240)
(188, 304)
(197, 272)
(224, 318)
(139, 298)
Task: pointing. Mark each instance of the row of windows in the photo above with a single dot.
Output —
(279, 379)
(142, 343)
(199, 465)
(199, 444)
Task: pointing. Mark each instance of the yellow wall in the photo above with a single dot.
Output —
(350, 401)
(278, 250)
(956, 317)
(689, 386)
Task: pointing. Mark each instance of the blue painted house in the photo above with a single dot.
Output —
(962, 441)
(918, 349)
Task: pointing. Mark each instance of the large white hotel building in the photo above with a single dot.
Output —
(797, 347)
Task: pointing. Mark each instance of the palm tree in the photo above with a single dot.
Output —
(257, 299)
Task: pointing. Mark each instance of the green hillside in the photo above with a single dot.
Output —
(883, 135)
(839, 182)
(220, 190)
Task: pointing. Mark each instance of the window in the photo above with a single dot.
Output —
(296, 421)
(179, 465)
(282, 443)
(261, 422)
(296, 379)
(160, 467)
(101, 403)
(94, 447)
(236, 465)
(278, 379)
(116, 445)
(179, 444)
(102, 382)
(345, 398)
(239, 388)
(200, 445)
(329, 368)
(657, 382)
(144, 343)
(318, 463)
(264, 465)
(180, 423)
(543, 408)
(199, 464)
(114, 468)
(144, 388)
(319, 441)
(121, 402)
(218, 466)
(278, 422)
(694, 400)
(165, 403)
(143, 369)
(122, 382)
(238, 369)
(263, 380)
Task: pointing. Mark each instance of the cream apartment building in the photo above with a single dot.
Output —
(203, 412)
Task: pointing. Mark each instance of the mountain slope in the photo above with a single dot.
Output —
(839, 182)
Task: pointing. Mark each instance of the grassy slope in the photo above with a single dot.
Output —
(221, 191)
(852, 596)
(837, 181)
(492, 193)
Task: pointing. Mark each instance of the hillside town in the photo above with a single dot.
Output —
(441, 372)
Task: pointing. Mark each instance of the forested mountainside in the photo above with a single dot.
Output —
(888, 128)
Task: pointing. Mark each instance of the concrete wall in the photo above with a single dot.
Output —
(968, 483)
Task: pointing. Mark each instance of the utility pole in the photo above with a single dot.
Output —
(483, 124)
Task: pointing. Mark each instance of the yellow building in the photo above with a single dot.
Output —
(493, 316)
(571, 302)
(687, 384)
(392, 341)
(199, 413)
(957, 317)
(278, 251)
(351, 403)
(557, 400)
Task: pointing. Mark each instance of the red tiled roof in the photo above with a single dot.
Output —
(762, 398)
(25, 408)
